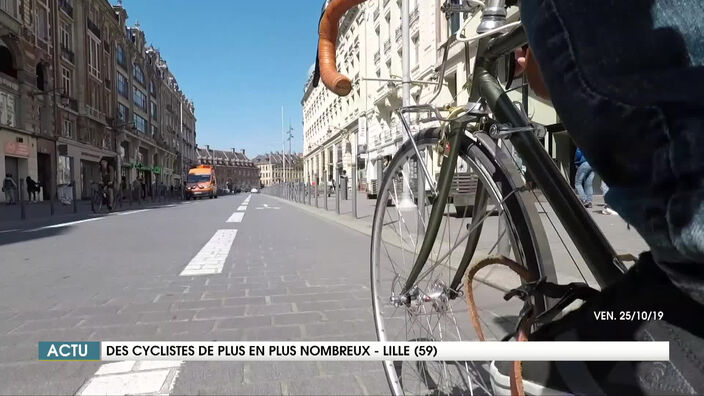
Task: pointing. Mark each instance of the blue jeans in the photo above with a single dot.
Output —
(584, 182)
(626, 78)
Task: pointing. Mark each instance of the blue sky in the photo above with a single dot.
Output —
(239, 60)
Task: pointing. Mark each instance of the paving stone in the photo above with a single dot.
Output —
(44, 324)
(374, 384)
(192, 305)
(272, 333)
(194, 326)
(349, 314)
(338, 328)
(220, 312)
(337, 385)
(244, 322)
(297, 317)
(206, 378)
(244, 301)
(98, 310)
(255, 310)
(109, 320)
(173, 316)
(255, 372)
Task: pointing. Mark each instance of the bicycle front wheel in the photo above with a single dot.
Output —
(497, 217)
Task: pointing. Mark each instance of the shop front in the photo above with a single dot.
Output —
(18, 156)
(80, 163)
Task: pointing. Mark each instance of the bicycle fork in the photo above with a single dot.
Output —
(443, 189)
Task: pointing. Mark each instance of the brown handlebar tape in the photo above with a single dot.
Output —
(333, 80)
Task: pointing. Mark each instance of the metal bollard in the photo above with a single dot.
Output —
(325, 189)
(20, 193)
(73, 197)
(52, 210)
(337, 194)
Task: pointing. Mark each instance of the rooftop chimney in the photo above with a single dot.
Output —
(242, 151)
(233, 150)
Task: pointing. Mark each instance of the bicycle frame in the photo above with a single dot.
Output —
(589, 240)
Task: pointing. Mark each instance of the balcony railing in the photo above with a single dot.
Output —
(66, 7)
(94, 28)
(376, 14)
(67, 54)
(95, 113)
(398, 36)
(377, 58)
(387, 46)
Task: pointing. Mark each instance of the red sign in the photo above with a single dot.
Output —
(17, 149)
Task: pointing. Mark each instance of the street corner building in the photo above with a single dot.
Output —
(277, 168)
(230, 166)
(78, 85)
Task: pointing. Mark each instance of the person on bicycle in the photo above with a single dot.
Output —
(629, 73)
(107, 180)
(625, 78)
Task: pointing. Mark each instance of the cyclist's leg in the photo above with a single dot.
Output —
(622, 78)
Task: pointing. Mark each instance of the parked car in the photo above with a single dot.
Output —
(254, 191)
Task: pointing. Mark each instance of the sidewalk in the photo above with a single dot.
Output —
(39, 213)
(569, 265)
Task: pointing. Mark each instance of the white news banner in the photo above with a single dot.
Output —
(379, 351)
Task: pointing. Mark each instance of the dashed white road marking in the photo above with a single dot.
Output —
(130, 377)
(242, 208)
(70, 223)
(211, 258)
(129, 212)
(7, 231)
(236, 217)
(265, 206)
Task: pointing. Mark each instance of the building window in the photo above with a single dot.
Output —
(66, 36)
(42, 23)
(67, 130)
(140, 99)
(414, 51)
(138, 74)
(155, 131)
(66, 81)
(122, 85)
(94, 57)
(9, 6)
(140, 123)
(121, 56)
(7, 109)
(153, 110)
(455, 19)
(122, 112)
(152, 88)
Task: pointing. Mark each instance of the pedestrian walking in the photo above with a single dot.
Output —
(32, 188)
(584, 179)
(607, 209)
(9, 187)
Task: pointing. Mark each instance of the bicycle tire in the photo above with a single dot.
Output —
(96, 202)
(521, 212)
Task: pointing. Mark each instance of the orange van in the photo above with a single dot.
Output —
(201, 182)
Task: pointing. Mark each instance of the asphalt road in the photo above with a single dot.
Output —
(284, 274)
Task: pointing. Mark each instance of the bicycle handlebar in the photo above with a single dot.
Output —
(333, 80)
